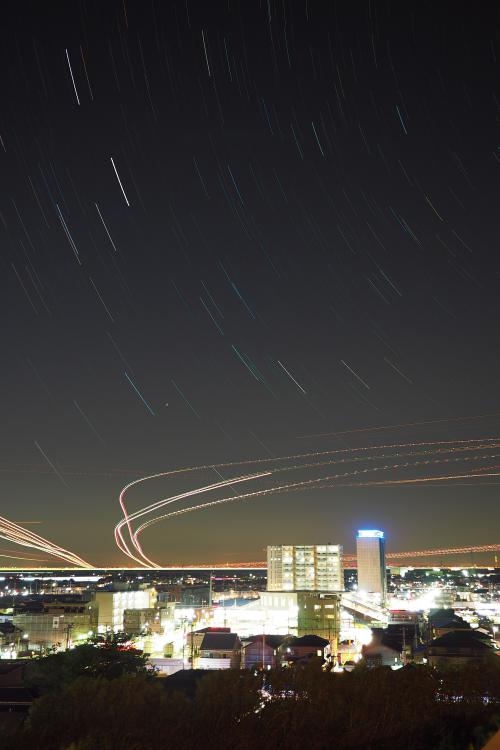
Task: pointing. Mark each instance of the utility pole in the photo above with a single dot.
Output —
(68, 628)
(192, 646)
(183, 642)
(330, 639)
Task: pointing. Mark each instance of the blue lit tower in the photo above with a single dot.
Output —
(370, 548)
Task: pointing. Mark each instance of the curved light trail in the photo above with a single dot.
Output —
(128, 518)
(13, 532)
(132, 546)
(351, 559)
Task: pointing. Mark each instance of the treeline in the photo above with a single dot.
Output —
(113, 705)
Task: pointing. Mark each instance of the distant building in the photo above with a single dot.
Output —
(112, 606)
(443, 621)
(305, 648)
(195, 638)
(60, 624)
(195, 595)
(310, 567)
(261, 651)
(285, 613)
(14, 696)
(459, 647)
(139, 621)
(387, 649)
(218, 650)
(11, 640)
(372, 576)
(169, 593)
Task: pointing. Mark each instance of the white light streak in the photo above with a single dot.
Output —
(291, 377)
(72, 78)
(119, 181)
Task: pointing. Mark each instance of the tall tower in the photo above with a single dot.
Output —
(370, 548)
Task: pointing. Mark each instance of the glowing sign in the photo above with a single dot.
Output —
(370, 534)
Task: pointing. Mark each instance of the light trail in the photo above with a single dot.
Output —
(73, 471)
(456, 446)
(351, 559)
(29, 559)
(309, 484)
(441, 552)
(400, 426)
(128, 518)
(13, 532)
(336, 451)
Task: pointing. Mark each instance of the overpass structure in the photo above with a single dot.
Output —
(363, 610)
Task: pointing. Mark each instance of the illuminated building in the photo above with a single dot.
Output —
(284, 613)
(311, 567)
(297, 650)
(262, 651)
(138, 621)
(58, 624)
(370, 549)
(217, 649)
(112, 606)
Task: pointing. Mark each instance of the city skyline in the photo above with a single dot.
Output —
(250, 253)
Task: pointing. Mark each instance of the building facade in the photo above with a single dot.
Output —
(285, 613)
(262, 651)
(112, 606)
(372, 576)
(218, 650)
(309, 567)
(56, 624)
(139, 621)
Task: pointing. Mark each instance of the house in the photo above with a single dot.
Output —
(442, 621)
(454, 624)
(11, 639)
(194, 639)
(218, 650)
(261, 651)
(14, 696)
(305, 648)
(385, 649)
(459, 647)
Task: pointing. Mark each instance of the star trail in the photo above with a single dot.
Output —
(237, 231)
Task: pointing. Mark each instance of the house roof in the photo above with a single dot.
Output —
(462, 639)
(456, 623)
(273, 641)
(212, 630)
(376, 649)
(309, 640)
(219, 642)
(440, 615)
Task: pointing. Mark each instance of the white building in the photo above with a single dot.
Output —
(370, 549)
(309, 567)
(112, 605)
(283, 613)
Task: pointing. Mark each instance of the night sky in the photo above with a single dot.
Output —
(228, 228)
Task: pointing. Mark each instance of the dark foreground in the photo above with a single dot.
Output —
(91, 699)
